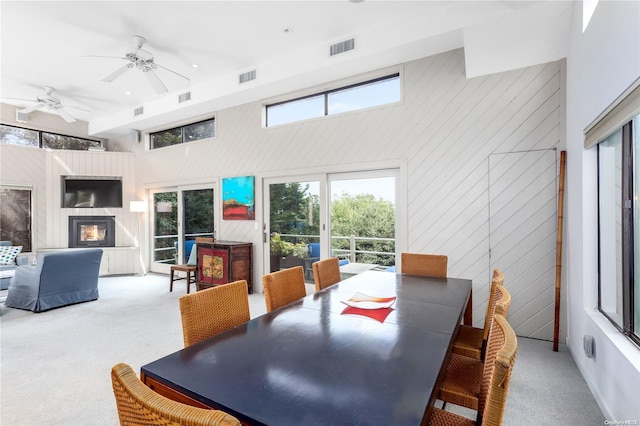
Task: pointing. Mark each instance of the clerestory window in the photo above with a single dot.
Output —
(40, 139)
(380, 91)
(183, 134)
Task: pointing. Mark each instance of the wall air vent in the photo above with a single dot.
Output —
(247, 76)
(343, 46)
(184, 97)
(138, 111)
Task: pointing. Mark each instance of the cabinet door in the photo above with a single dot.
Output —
(213, 266)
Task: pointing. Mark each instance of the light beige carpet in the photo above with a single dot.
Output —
(55, 366)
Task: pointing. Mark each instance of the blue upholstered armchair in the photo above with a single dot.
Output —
(58, 279)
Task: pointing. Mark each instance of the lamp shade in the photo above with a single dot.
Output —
(137, 206)
(164, 207)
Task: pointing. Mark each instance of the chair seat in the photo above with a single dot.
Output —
(469, 342)
(190, 270)
(446, 418)
(462, 382)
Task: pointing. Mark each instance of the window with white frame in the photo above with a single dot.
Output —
(379, 91)
(617, 136)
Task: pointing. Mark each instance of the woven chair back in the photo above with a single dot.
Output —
(494, 295)
(326, 272)
(283, 287)
(138, 405)
(503, 301)
(498, 276)
(208, 312)
(493, 391)
(424, 265)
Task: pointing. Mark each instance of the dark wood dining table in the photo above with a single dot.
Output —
(318, 361)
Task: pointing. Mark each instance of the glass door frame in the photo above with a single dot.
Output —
(367, 174)
(180, 189)
(266, 223)
(324, 178)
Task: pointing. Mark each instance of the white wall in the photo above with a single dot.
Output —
(601, 64)
(441, 133)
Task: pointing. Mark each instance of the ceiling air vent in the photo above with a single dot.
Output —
(184, 97)
(138, 111)
(247, 76)
(343, 46)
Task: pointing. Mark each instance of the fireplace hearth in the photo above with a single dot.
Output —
(92, 231)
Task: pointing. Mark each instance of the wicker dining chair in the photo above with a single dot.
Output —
(206, 313)
(283, 287)
(472, 341)
(326, 272)
(464, 377)
(138, 405)
(424, 265)
(494, 387)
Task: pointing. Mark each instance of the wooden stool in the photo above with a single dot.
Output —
(189, 269)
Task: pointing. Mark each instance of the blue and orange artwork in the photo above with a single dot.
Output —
(238, 201)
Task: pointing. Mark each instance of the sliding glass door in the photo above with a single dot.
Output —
(363, 217)
(292, 225)
(179, 216)
(348, 215)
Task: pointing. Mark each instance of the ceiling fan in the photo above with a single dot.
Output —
(143, 60)
(51, 103)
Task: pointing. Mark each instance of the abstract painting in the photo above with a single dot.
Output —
(238, 201)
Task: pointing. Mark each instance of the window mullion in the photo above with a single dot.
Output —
(627, 226)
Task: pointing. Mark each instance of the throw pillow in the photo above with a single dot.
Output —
(193, 256)
(8, 254)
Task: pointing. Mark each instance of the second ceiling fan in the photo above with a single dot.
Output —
(142, 60)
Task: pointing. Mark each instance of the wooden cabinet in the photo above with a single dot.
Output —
(223, 262)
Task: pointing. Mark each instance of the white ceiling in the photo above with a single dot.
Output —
(287, 42)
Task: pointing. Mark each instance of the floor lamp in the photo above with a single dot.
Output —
(139, 207)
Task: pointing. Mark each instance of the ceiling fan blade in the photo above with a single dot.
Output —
(178, 74)
(117, 73)
(64, 114)
(153, 78)
(27, 110)
(76, 107)
(103, 56)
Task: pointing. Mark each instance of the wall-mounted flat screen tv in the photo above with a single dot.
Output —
(91, 193)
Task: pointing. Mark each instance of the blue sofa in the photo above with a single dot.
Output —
(58, 279)
(7, 271)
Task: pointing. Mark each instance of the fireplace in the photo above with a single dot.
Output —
(92, 231)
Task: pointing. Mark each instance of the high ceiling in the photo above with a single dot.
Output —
(56, 44)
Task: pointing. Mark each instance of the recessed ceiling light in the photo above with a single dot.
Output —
(127, 92)
(195, 65)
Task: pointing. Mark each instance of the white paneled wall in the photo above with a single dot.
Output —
(444, 130)
(43, 170)
(86, 163)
